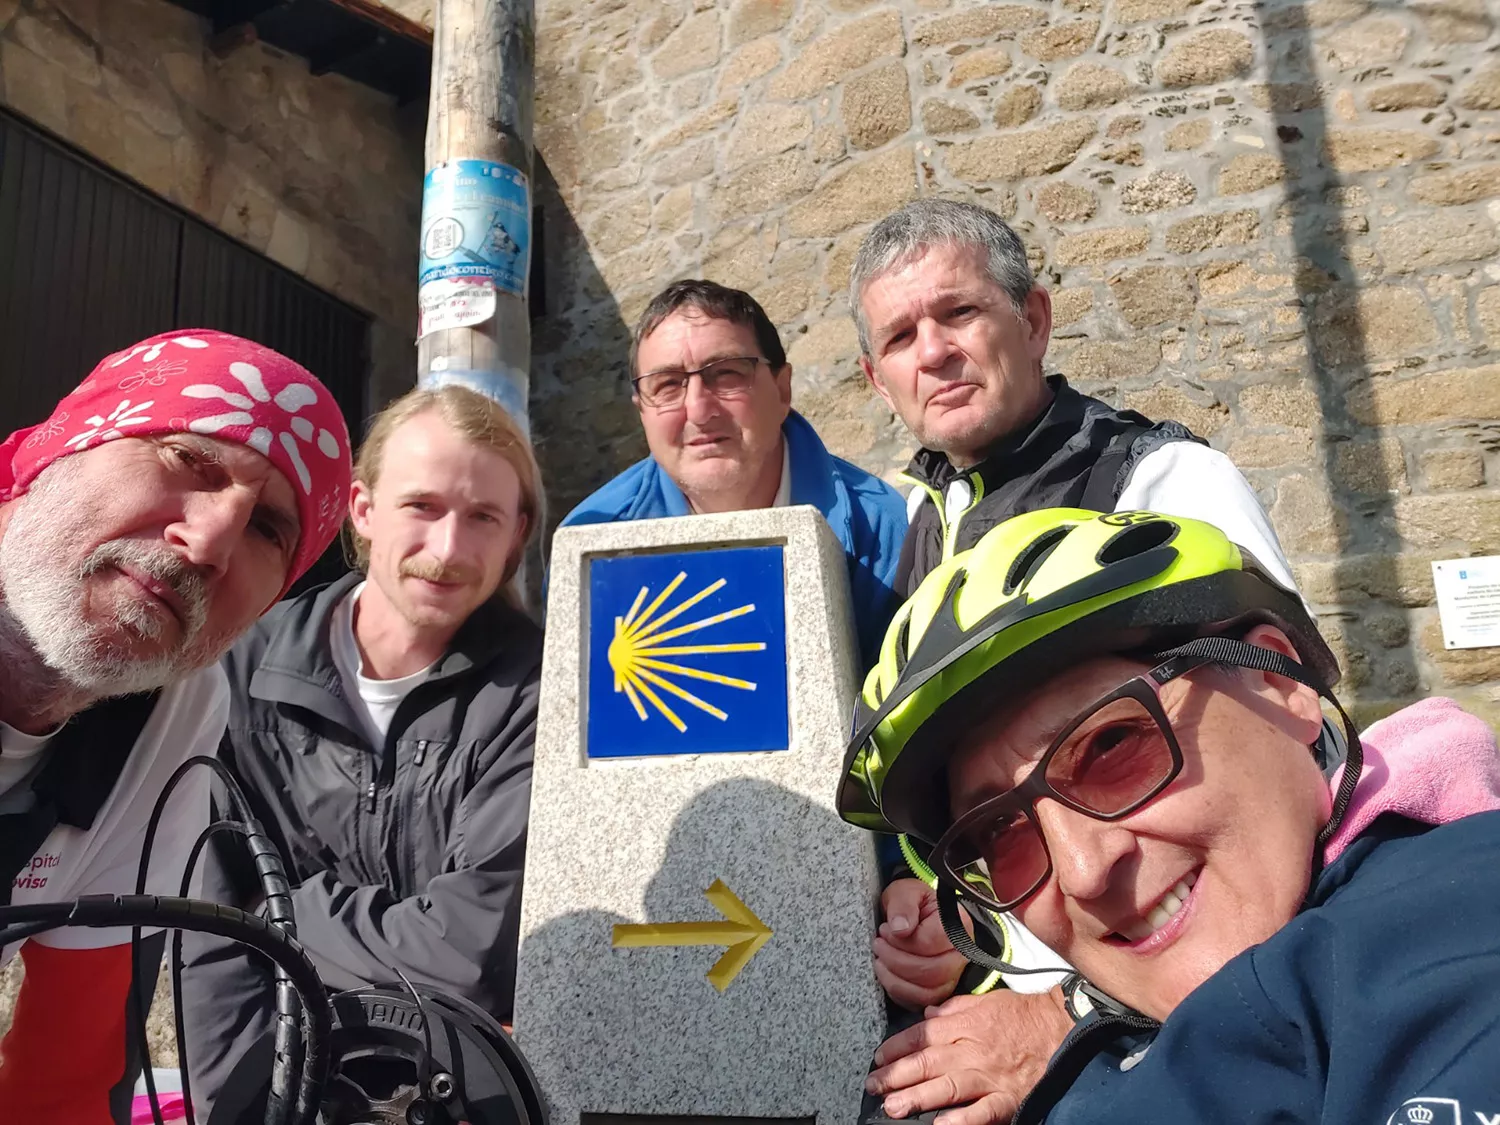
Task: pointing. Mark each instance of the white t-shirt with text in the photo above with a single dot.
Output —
(21, 755)
(188, 720)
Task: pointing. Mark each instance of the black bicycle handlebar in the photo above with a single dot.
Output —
(267, 938)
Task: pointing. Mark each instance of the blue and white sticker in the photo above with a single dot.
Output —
(476, 241)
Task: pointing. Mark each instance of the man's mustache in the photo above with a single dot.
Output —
(434, 571)
(166, 567)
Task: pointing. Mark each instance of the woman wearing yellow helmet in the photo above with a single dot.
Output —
(1036, 595)
(1102, 723)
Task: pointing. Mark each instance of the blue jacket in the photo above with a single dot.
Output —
(867, 515)
(1379, 1004)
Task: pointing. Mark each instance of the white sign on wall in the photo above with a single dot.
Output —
(1468, 598)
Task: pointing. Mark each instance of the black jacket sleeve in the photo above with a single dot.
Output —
(459, 934)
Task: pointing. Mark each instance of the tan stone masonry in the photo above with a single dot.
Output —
(319, 173)
(1277, 222)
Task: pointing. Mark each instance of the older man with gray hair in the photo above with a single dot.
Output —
(161, 507)
(953, 331)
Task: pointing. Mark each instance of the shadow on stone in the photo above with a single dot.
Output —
(582, 422)
(648, 1033)
(1351, 325)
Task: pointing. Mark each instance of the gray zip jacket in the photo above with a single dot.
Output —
(404, 856)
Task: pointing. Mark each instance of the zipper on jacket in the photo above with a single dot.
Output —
(1067, 1065)
(389, 841)
(370, 797)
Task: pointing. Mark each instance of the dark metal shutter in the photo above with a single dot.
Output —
(90, 263)
(223, 285)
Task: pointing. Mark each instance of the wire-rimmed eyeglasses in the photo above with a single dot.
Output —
(723, 378)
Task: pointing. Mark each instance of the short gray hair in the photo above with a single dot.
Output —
(904, 234)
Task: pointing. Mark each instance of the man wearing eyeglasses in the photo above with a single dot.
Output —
(714, 392)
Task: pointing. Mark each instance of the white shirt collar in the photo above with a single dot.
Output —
(784, 489)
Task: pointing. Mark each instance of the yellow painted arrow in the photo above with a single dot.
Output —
(743, 933)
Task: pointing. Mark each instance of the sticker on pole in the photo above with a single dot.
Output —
(506, 385)
(476, 242)
(454, 302)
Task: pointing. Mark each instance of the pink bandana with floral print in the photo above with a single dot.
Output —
(205, 382)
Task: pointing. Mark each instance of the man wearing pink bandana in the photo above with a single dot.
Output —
(167, 502)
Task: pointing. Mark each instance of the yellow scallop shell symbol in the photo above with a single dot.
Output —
(635, 653)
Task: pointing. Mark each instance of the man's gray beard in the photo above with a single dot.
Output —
(43, 601)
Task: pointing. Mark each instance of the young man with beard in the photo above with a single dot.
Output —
(382, 729)
(165, 503)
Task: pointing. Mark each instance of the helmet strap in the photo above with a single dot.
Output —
(948, 907)
(950, 903)
(1236, 653)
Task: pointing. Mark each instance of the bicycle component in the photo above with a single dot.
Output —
(381, 1056)
(205, 917)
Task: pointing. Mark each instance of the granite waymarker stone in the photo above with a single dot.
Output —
(697, 921)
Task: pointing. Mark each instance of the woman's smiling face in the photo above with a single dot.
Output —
(1149, 906)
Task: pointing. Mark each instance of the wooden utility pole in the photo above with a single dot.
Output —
(476, 202)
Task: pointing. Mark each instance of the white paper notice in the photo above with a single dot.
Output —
(1468, 598)
(454, 302)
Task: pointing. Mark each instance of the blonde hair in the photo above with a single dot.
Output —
(475, 418)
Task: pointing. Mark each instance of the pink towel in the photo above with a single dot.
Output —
(173, 1108)
(1432, 762)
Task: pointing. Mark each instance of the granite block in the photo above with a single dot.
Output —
(639, 840)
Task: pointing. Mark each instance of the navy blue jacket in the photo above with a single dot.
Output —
(867, 515)
(1377, 1005)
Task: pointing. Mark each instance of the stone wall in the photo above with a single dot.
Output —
(1276, 222)
(320, 173)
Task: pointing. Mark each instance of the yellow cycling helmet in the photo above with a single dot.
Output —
(1038, 594)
